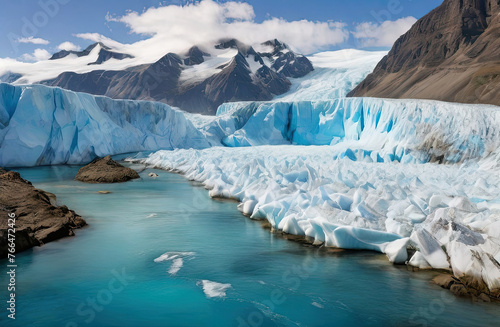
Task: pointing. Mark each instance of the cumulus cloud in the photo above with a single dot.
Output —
(68, 46)
(33, 40)
(382, 35)
(37, 55)
(179, 27)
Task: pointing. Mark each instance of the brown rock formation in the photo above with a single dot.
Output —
(105, 170)
(38, 219)
(451, 54)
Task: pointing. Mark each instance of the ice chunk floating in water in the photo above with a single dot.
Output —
(176, 266)
(177, 259)
(214, 289)
(173, 255)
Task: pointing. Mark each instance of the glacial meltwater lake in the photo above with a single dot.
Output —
(214, 267)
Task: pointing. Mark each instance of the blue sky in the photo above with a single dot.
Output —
(48, 23)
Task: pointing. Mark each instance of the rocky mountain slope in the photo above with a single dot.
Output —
(201, 79)
(451, 54)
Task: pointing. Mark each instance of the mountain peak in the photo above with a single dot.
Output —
(276, 45)
(105, 53)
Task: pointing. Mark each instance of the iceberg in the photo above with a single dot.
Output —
(41, 125)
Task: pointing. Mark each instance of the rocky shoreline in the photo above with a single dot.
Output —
(39, 219)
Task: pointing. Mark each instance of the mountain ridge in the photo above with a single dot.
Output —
(197, 80)
(451, 54)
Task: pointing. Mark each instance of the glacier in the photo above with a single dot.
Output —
(40, 125)
(335, 74)
(375, 130)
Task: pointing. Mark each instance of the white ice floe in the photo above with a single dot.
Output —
(169, 256)
(177, 259)
(176, 266)
(213, 289)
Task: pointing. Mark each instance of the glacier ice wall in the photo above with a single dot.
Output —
(40, 125)
(370, 129)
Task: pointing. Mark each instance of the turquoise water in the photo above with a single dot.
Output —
(274, 282)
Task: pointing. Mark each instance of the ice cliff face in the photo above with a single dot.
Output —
(41, 125)
(369, 129)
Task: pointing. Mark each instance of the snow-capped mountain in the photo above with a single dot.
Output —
(104, 53)
(198, 80)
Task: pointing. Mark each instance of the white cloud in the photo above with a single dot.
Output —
(37, 55)
(68, 46)
(33, 40)
(176, 28)
(382, 35)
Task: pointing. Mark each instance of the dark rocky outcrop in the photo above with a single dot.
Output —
(286, 61)
(38, 218)
(451, 54)
(105, 170)
(240, 79)
(467, 286)
(64, 53)
(195, 56)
